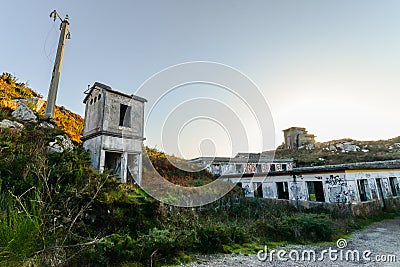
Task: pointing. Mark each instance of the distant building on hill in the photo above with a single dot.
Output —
(297, 137)
(113, 131)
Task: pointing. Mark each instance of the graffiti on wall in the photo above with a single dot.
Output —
(265, 167)
(386, 186)
(268, 192)
(339, 194)
(278, 167)
(247, 191)
(296, 190)
(373, 194)
(337, 188)
(352, 193)
(335, 180)
(250, 168)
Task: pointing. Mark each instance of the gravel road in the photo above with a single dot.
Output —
(382, 239)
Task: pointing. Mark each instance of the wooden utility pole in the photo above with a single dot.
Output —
(55, 78)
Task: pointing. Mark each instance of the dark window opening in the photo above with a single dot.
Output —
(99, 96)
(239, 168)
(284, 167)
(258, 192)
(125, 115)
(316, 191)
(380, 192)
(362, 189)
(113, 162)
(283, 190)
(394, 185)
(259, 168)
(272, 168)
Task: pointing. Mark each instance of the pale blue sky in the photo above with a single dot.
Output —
(330, 66)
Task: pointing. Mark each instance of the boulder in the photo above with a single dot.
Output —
(60, 144)
(24, 113)
(11, 124)
(46, 125)
(35, 102)
(348, 147)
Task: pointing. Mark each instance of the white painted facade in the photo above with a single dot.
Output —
(340, 185)
(237, 165)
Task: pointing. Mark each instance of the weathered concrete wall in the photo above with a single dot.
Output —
(94, 111)
(112, 113)
(94, 146)
(371, 176)
(106, 139)
(121, 144)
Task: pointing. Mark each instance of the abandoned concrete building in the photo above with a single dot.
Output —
(113, 131)
(297, 137)
(354, 183)
(243, 163)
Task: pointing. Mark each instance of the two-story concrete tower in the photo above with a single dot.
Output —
(113, 131)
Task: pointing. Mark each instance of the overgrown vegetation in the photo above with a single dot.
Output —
(11, 89)
(327, 152)
(56, 210)
(175, 175)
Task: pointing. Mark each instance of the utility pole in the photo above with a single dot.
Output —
(55, 78)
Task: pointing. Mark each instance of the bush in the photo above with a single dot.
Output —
(301, 228)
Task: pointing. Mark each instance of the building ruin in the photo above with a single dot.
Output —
(297, 137)
(357, 185)
(113, 131)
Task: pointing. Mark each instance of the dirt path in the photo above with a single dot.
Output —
(382, 239)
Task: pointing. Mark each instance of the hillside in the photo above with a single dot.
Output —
(11, 90)
(72, 125)
(55, 210)
(343, 151)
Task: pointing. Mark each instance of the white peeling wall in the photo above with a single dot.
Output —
(372, 188)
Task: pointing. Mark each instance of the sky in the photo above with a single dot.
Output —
(330, 66)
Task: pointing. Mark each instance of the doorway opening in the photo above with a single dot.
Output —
(113, 162)
(283, 190)
(316, 191)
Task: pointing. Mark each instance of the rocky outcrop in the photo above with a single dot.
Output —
(11, 124)
(46, 125)
(24, 113)
(36, 102)
(348, 147)
(60, 144)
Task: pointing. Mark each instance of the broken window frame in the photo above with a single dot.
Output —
(258, 190)
(282, 189)
(362, 189)
(125, 115)
(394, 186)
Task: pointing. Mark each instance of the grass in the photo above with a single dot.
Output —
(20, 232)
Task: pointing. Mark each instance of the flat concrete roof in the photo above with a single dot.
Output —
(372, 165)
(241, 160)
(109, 89)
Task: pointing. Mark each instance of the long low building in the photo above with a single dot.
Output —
(244, 163)
(353, 183)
